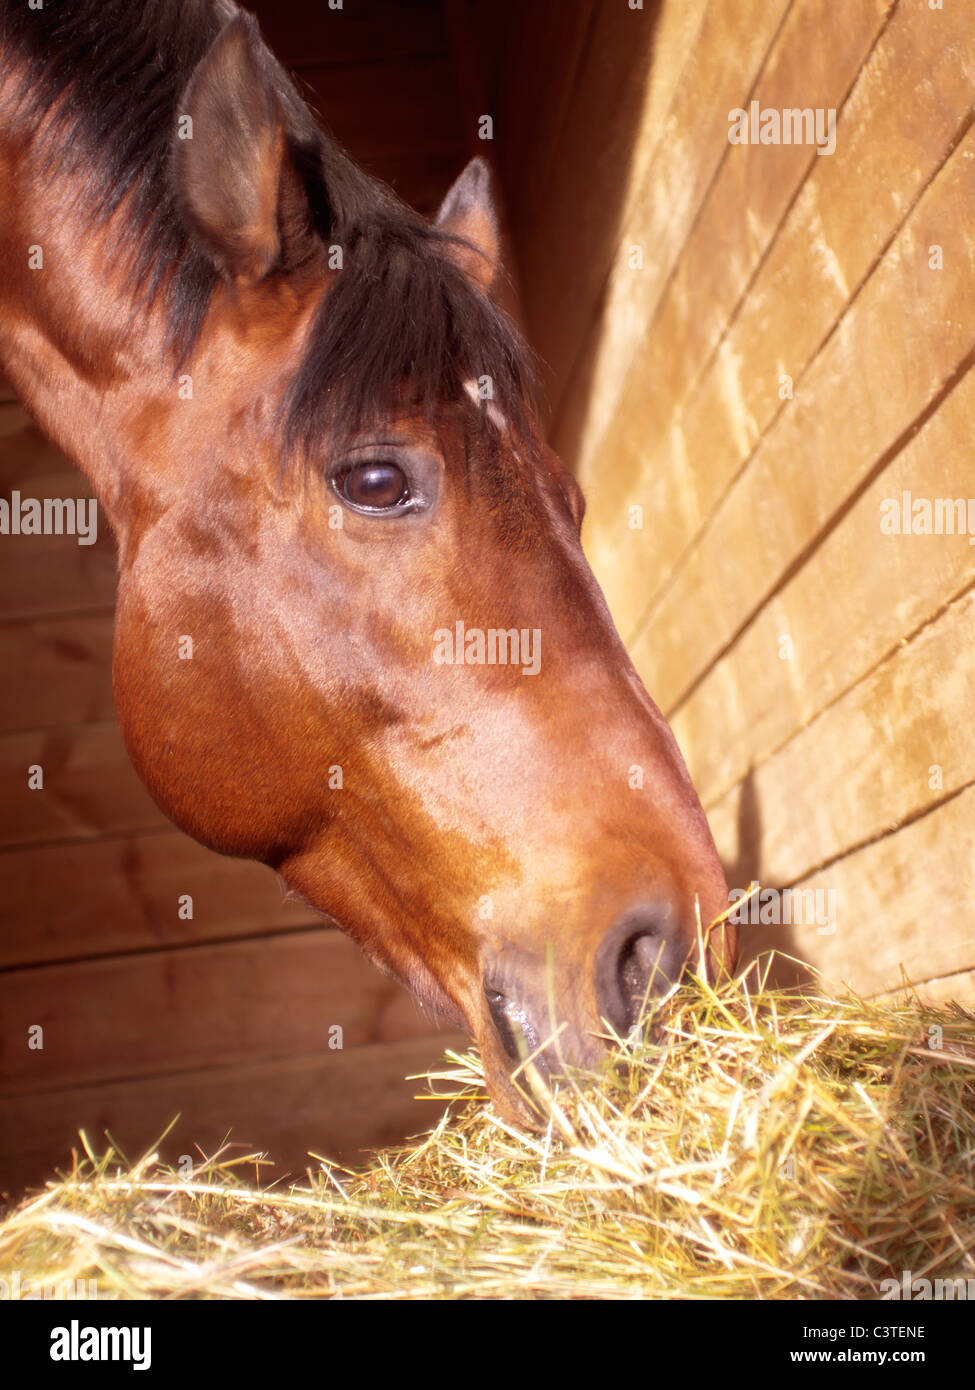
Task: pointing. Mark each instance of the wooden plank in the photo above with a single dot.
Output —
(48, 574)
(90, 787)
(338, 1104)
(531, 100)
(574, 230)
(589, 193)
(580, 395)
(420, 179)
(812, 65)
(97, 897)
(56, 671)
(845, 214)
(865, 764)
(675, 42)
(177, 1010)
(471, 45)
(798, 479)
(674, 63)
(42, 575)
(482, 51)
(412, 107)
(905, 900)
(31, 463)
(360, 33)
(752, 701)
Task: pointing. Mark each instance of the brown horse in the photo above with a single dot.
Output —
(356, 636)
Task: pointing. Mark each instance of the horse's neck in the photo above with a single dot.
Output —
(68, 339)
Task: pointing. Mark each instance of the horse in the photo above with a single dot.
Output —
(356, 636)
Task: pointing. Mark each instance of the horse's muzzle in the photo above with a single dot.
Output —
(550, 1012)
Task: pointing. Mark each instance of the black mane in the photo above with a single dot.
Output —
(111, 74)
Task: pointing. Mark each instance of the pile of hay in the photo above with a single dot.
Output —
(772, 1147)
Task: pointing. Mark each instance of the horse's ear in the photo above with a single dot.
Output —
(468, 212)
(236, 181)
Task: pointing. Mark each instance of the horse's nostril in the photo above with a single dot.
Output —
(637, 963)
(640, 958)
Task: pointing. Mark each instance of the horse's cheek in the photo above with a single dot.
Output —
(169, 699)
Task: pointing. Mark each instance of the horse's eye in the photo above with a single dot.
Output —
(375, 486)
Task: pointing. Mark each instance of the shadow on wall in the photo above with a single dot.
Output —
(757, 939)
(569, 84)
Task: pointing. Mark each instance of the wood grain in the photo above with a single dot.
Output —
(89, 786)
(845, 215)
(56, 670)
(864, 593)
(665, 343)
(802, 474)
(905, 900)
(88, 898)
(355, 34)
(865, 765)
(42, 575)
(183, 1009)
(338, 1104)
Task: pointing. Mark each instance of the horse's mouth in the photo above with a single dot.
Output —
(544, 1016)
(523, 1058)
(518, 1036)
(516, 1066)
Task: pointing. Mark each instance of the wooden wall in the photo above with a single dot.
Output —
(819, 674)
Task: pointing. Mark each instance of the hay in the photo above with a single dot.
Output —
(774, 1147)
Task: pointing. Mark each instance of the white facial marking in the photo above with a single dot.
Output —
(493, 413)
